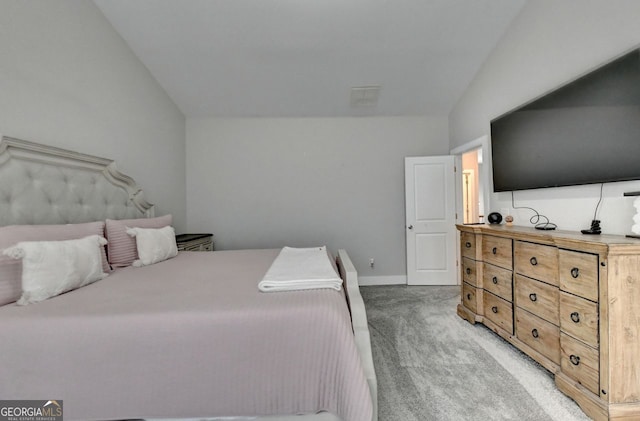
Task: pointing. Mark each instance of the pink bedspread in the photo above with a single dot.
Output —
(188, 337)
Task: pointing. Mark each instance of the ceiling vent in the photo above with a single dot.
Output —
(365, 96)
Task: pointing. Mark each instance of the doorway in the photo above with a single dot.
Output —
(474, 162)
(472, 194)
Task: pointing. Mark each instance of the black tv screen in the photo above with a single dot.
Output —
(587, 131)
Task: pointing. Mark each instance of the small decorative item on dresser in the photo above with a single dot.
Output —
(495, 218)
(635, 228)
(509, 220)
(194, 242)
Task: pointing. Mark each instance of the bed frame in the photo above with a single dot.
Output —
(45, 185)
(41, 184)
(359, 323)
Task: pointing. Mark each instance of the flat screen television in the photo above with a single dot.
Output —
(587, 131)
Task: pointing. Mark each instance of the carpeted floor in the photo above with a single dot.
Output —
(432, 365)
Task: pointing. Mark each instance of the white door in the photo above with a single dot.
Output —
(430, 220)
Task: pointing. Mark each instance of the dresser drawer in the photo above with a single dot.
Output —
(497, 251)
(468, 245)
(469, 273)
(538, 298)
(202, 246)
(537, 261)
(579, 273)
(498, 311)
(579, 318)
(194, 242)
(580, 362)
(498, 281)
(539, 334)
(469, 297)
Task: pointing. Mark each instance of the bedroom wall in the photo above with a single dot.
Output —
(259, 183)
(549, 43)
(68, 80)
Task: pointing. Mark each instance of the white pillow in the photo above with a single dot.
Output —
(50, 268)
(154, 244)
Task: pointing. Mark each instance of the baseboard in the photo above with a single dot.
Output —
(382, 280)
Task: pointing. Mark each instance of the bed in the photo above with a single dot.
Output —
(191, 336)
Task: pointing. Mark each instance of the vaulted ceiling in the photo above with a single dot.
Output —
(301, 58)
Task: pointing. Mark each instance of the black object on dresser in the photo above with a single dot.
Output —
(194, 242)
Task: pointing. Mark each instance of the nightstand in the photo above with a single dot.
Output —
(194, 242)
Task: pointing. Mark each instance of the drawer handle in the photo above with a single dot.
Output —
(468, 296)
(533, 261)
(575, 272)
(575, 360)
(468, 270)
(534, 333)
(495, 280)
(467, 245)
(494, 309)
(494, 250)
(575, 316)
(533, 297)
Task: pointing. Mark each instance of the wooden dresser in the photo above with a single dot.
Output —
(569, 301)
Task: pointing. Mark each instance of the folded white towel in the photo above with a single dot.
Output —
(299, 269)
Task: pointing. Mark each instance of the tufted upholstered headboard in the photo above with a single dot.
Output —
(45, 185)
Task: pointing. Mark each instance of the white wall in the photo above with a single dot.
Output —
(258, 183)
(549, 43)
(68, 80)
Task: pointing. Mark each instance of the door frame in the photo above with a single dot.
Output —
(485, 179)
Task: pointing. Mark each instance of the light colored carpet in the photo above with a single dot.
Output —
(432, 365)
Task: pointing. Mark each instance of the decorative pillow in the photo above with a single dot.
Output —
(50, 268)
(11, 270)
(122, 248)
(154, 244)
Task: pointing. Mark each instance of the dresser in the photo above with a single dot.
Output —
(568, 300)
(194, 242)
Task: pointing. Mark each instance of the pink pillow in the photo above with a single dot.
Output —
(121, 248)
(11, 270)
